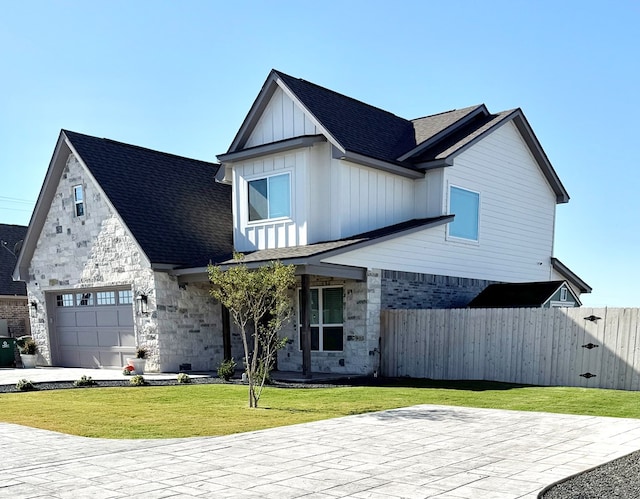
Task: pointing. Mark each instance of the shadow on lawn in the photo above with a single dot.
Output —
(466, 385)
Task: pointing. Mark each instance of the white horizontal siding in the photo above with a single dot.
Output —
(517, 216)
(281, 119)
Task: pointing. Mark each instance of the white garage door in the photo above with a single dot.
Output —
(94, 328)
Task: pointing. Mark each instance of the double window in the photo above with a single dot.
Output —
(465, 205)
(78, 200)
(270, 197)
(326, 319)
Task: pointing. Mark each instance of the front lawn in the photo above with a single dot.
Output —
(219, 409)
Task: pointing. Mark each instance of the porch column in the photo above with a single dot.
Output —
(305, 323)
(226, 333)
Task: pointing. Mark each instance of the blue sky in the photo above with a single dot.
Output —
(180, 77)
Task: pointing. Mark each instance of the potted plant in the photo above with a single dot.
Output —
(140, 360)
(28, 351)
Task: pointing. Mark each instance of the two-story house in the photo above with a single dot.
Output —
(375, 211)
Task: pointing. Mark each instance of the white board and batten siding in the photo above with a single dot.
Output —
(330, 198)
(281, 119)
(517, 218)
(541, 346)
(276, 233)
(371, 199)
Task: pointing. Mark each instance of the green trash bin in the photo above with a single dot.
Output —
(7, 351)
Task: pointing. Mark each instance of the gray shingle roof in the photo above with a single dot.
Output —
(11, 235)
(359, 127)
(429, 126)
(316, 249)
(172, 205)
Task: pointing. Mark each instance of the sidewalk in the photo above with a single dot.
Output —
(415, 452)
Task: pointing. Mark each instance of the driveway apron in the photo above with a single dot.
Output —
(414, 452)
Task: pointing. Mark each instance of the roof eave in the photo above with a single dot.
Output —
(304, 266)
(271, 148)
(378, 164)
(521, 123)
(570, 276)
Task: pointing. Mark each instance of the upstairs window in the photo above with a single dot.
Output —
(465, 205)
(270, 197)
(78, 199)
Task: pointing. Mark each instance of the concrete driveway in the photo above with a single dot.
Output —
(415, 452)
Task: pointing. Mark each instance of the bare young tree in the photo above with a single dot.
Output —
(260, 303)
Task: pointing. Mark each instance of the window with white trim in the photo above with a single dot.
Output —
(563, 294)
(327, 318)
(270, 197)
(78, 200)
(465, 205)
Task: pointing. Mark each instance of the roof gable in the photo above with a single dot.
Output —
(349, 124)
(173, 207)
(11, 238)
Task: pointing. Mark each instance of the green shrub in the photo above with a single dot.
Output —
(27, 346)
(184, 378)
(227, 369)
(137, 380)
(25, 385)
(85, 381)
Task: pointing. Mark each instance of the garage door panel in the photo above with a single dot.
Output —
(110, 359)
(67, 338)
(88, 338)
(125, 317)
(127, 339)
(85, 318)
(69, 358)
(108, 339)
(66, 318)
(107, 317)
(88, 359)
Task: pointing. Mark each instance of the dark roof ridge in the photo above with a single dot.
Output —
(341, 95)
(142, 148)
(446, 112)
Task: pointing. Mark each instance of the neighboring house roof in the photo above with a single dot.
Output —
(175, 210)
(518, 295)
(362, 131)
(11, 238)
(570, 276)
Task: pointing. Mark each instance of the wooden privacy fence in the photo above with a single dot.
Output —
(590, 347)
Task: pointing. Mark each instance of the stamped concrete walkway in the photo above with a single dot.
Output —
(415, 452)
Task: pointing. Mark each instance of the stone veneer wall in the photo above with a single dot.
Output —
(361, 331)
(408, 290)
(15, 310)
(94, 250)
(191, 322)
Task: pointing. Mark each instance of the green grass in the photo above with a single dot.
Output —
(218, 409)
